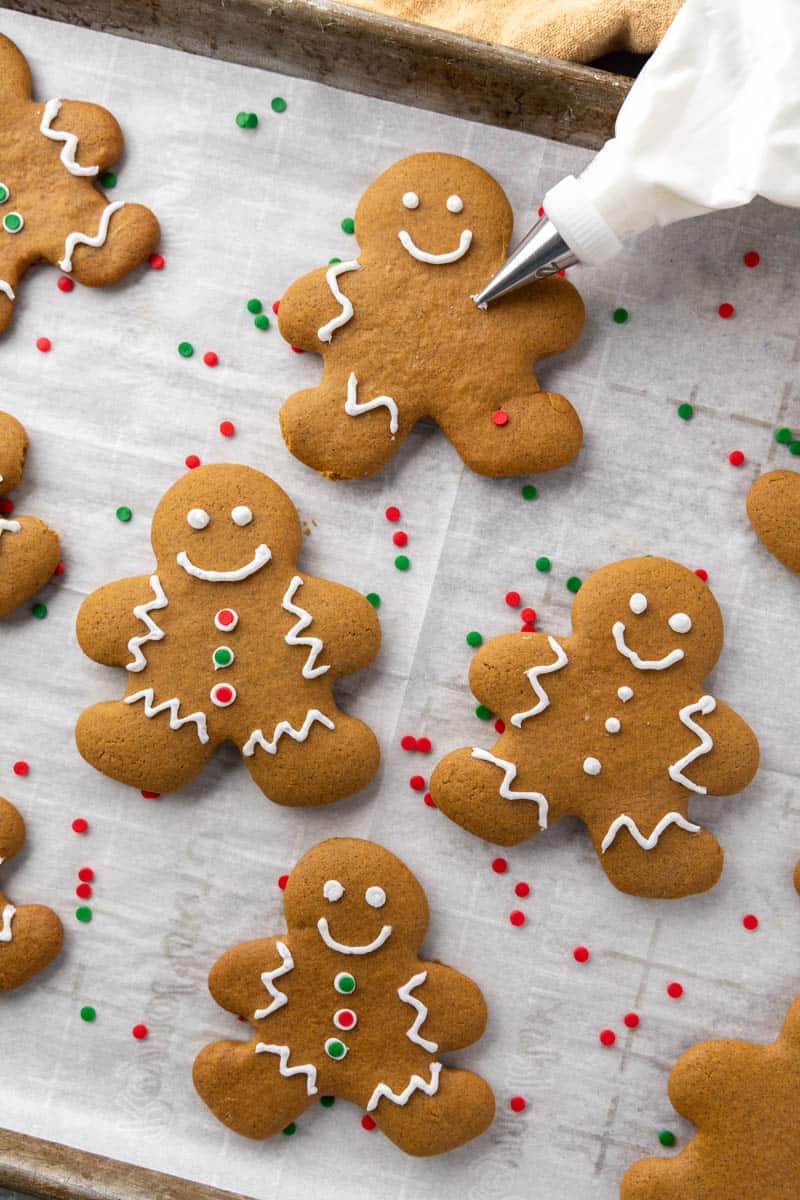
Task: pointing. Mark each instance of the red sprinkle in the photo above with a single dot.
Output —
(60, 569)
(297, 350)
(726, 311)
(156, 262)
(227, 428)
(392, 513)
(86, 874)
(64, 283)
(528, 614)
(500, 416)
(751, 259)
(736, 458)
(400, 538)
(83, 890)
(139, 1032)
(631, 1019)
(499, 725)
(499, 866)
(150, 795)
(517, 1104)
(408, 742)
(367, 1123)
(282, 881)
(428, 798)
(607, 1037)
(275, 306)
(540, 211)
(750, 921)
(20, 768)
(80, 825)
(513, 599)
(424, 745)
(44, 344)
(192, 461)
(675, 990)
(211, 358)
(516, 917)
(527, 627)
(6, 506)
(522, 890)
(417, 783)
(580, 954)
(701, 573)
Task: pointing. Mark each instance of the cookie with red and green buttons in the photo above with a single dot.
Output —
(342, 1005)
(30, 935)
(401, 336)
(51, 156)
(744, 1099)
(29, 550)
(773, 506)
(227, 641)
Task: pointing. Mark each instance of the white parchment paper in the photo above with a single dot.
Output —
(113, 410)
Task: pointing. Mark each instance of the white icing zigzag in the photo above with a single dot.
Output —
(304, 619)
(285, 727)
(543, 700)
(7, 289)
(173, 707)
(279, 998)
(415, 1084)
(705, 705)
(404, 993)
(325, 332)
(154, 633)
(83, 239)
(649, 843)
(354, 409)
(8, 917)
(508, 778)
(51, 111)
(283, 1053)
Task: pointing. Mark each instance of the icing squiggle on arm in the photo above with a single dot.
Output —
(415, 1084)
(705, 705)
(325, 332)
(508, 778)
(279, 998)
(283, 1053)
(285, 727)
(173, 708)
(83, 239)
(7, 289)
(7, 526)
(154, 633)
(304, 619)
(533, 674)
(51, 111)
(404, 992)
(647, 843)
(354, 409)
(8, 917)
(642, 664)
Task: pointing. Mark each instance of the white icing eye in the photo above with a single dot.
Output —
(375, 897)
(638, 603)
(455, 204)
(198, 518)
(680, 622)
(241, 515)
(333, 890)
(411, 200)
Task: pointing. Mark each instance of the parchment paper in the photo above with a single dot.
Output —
(113, 410)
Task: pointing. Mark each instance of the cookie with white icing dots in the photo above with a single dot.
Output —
(612, 724)
(342, 1006)
(30, 935)
(402, 338)
(29, 550)
(51, 156)
(228, 641)
(773, 506)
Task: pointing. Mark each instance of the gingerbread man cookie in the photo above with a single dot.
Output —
(227, 641)
(745, 1100)
(29, 551)
(613, 725)
(401, 337)
(51, 155)
(773, 506)
(30, 936)
(341, 1005)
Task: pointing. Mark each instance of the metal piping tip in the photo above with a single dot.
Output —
(541, 252)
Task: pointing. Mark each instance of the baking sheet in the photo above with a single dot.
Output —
(112, 412)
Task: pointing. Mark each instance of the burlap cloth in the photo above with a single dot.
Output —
(577, 30)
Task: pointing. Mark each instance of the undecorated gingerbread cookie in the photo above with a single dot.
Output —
(29, 550)
(773, 505)
(611, 724)
(744, 1099)
(31, 935)
(402, 338)
(228, 641)
(51, 156)
(342, 1006)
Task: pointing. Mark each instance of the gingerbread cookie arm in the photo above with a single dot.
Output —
(512, 674)
(15, 76)
(246, 979)
(679, 1178)
(448, 1009)
(551, 313)
(108, 626)
(12, 269)
(333, 626)
(305, 309)
(96, 139)
(112, 238)
(732, 758)
(13, 444)
(29, 554)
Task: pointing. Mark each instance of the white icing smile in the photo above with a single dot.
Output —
(642, 664)
(343, 948)
(449, 256)
(262, 556)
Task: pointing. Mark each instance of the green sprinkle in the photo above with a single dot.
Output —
(331, 261)
(88, 1013)
(108, 179)
(348, 225)
(543, 563)
(402, 562)
(246, 120)
(278, 104)
(261, 321)
(124, 513)
(686, 411)
(39, 611)
(327, 1101)
(620, 315)
(374, 599)
(783, 436)
(573, 584)
(254, 305)
(529, 492)
(794, 448)
(482, 712)
(83, 914)
(474, 638)
(290, 1129)
(185, 349)
(666, 1137)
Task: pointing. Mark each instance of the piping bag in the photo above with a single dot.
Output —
(712, 121)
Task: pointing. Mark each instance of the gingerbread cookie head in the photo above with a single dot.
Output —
(51, 156)
(30, 934)
(773, 506)
(29, 550)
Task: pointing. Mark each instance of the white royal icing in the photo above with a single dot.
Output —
(333, 890)
(647, 843)
(173, 707)
(642, 664)
(680, 622)
(625, 693)
(415, 1084)
(454, 204)
(449, 256)
(8, 917)
(7, 289)
(83, 239)
(533, 674)
(354, 409)
(154, 633)
(410, 200)
(343, 948)
(241, 515)
(375, 897)
(197, 518)
(285, 727)
(592, 766)
(268, 978)
(51, 111)
(7, 526)
(325, 332)
(262, 555)
(508, 778)
(283, 1053)
(613, 724)
(421, 1010)
(705, 705)
(304, 619)
(329, 1042)
(638, 603)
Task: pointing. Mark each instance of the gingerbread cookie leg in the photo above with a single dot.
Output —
(313, 760)
(29, 553)
(148, 744)
(665, 1179)
(30, 935)
(9, 280)
(112, 238)
(436, 1110)
(485, 794)
(256, 1093)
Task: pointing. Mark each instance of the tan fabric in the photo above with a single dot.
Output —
(577, 30)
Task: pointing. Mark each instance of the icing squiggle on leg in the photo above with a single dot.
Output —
(8, 917)
(173, 707)
(83, 239)
(354, 409)
(510, 774)
(415, 1084)
(6, 289)
(283, 1053)
(647, 843)
(285, 727)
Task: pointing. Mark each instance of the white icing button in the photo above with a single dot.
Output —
(345, 1018)
(223, 695)
(680, 622)
(592, 766)
(226, 619)
(625, 694)
(613, 724)
(411, 200)
(638, 603)
(333, 890)
(455, 204)
(241, 515)
(335, 1048)
(197, 518)
(375, 897)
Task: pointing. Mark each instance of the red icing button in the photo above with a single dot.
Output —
(736, 458)
(701, 574)
(529, 615)
(226, 619)
(150, 795)
(367, 1122)
(500, 416)
(345, 1018)
(752, 258)
(499, 725)
(192, 461)
(513, 599)
(298, 350)
(428, 798)
(223, 695)
(408, 742)
(156, 262)
(275, 306)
